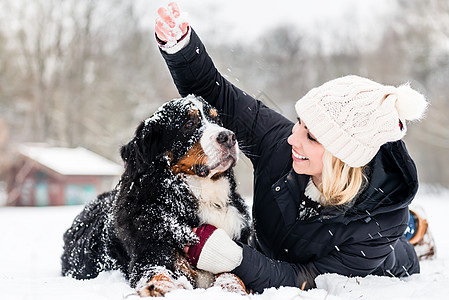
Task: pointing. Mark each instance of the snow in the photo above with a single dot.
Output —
(31, 245)
(71, 161)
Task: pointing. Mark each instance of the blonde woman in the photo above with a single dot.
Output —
(331, 192)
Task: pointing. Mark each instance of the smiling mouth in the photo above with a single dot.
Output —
(298, 156)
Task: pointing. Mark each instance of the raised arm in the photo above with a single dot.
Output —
(259, 129)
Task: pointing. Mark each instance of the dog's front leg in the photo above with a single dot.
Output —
(152, 275)
(231, 283)
(159, 284)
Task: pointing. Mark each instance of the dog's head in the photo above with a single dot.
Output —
(187, 135)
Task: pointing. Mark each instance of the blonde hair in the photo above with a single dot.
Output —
(340, 183)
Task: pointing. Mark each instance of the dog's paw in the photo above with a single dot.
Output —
(158, 286)
(231, 283)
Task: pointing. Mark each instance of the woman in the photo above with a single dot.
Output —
(331, 192)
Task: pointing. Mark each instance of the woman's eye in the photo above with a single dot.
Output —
(311, 138)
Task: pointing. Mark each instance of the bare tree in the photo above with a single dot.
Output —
(86, 70)
(424, 30)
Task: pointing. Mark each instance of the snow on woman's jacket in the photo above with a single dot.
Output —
(363, 238)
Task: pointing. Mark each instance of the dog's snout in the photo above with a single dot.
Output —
(226, 138)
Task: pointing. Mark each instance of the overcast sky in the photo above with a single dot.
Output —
(248, 18)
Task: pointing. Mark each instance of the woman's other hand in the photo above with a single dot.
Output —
(171, 25)
(216, 252)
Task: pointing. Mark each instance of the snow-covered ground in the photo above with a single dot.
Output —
(31, 244)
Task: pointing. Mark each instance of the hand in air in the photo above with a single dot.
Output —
(170, 24)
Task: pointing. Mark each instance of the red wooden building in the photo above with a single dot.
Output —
(42, 176)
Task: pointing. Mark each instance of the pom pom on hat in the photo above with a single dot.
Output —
(410, 104)
(352, 117)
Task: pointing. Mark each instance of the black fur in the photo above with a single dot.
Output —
(147, 220)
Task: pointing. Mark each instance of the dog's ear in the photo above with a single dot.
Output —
(142, 150)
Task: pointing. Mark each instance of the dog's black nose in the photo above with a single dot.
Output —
(226, 138)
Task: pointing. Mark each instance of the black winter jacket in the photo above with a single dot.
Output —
(358, 240)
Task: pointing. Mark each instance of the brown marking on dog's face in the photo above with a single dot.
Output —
(192, 163)
(213, 113)
(194, 113)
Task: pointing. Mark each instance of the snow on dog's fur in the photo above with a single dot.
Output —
(178, 175)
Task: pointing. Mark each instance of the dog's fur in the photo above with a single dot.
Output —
(178, 175)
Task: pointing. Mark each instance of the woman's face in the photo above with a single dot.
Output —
(307, 152)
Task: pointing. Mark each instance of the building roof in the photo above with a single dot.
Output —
(71, 161)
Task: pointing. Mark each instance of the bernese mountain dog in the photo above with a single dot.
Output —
(178, 175)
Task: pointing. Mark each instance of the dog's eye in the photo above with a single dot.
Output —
(189, 124)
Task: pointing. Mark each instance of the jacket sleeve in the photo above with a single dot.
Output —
(257, 127)
(259, 272)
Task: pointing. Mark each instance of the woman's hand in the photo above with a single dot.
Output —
(193, 251)
(216, 252)
(170, 24)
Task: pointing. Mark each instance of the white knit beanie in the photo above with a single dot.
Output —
(353, 116)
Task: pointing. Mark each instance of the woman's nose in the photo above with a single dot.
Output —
(292, 136)
(289, 139)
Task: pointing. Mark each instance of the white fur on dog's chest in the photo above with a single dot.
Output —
(214, 208)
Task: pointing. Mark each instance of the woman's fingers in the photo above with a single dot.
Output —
(176, 13)
(166, 17)
(183, 27)
(170, 24)
(174, 8)
(160, 30)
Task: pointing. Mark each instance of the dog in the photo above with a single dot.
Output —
(178, 175)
